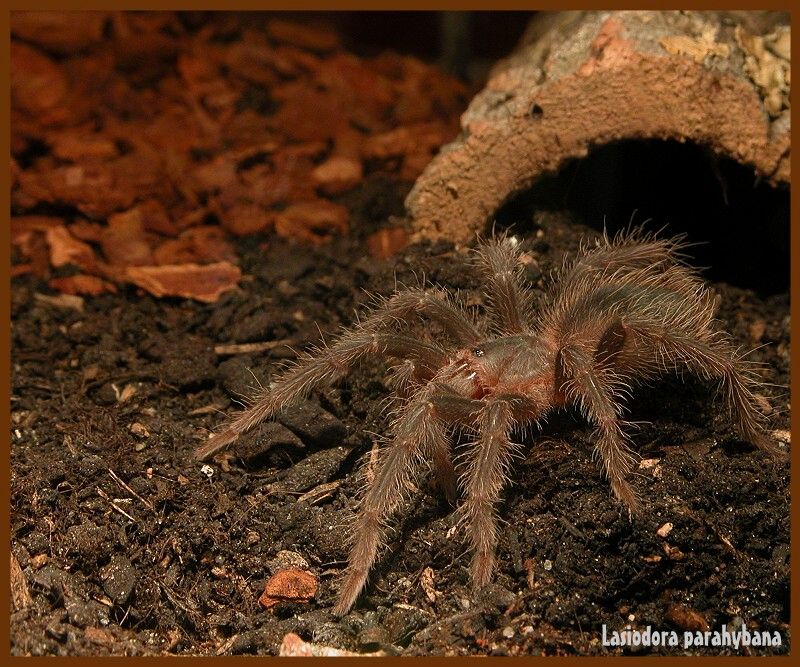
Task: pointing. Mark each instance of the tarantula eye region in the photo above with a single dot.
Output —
(478, 352)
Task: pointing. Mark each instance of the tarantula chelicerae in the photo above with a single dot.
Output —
(622, 311)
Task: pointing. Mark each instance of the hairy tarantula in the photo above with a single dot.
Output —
(624, 310)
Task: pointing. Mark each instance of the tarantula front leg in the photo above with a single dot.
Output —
(420, 433)
(587, 385)
(483, 482)
(368, 337)
(452, 409)
(508, 299)
(322, 367)
(417, 429)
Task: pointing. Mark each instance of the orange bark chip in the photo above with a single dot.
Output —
(124, 241)
(82, 284)
(313, 38)
(59, 31)
(312, 221)
(289, 585)
(244, 219)
(37, 83)
(204, 283)
(338, 175)
(66, 249)
(386, 242)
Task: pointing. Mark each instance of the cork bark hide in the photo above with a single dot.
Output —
(582, 79)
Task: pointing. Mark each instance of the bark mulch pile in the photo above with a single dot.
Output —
(142, 142)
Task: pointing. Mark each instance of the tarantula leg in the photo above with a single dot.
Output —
(483, 481)
(452, 409)
(418, 428)
(591, 389)
(610, 345)
(716, 359)
(507, 298)
(323, 367)
(432, 302)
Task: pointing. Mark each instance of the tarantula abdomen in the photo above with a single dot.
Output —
(622, 311)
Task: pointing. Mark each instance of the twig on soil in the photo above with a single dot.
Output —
(144, 502)
(246, 348)
(114, 506)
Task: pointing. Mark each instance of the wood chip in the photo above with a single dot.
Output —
(782, 435)
(20, 595)
(37, 83)
(673, 553)
(305, 36)
(294, 646)
(426, 581)
(61, 301)
(139, 429)
(665, 530)
(320, 493)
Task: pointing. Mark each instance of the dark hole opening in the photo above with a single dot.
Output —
(740, 223)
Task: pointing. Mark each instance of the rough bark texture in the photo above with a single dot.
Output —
(578, 79)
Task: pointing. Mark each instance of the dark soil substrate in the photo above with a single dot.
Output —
(128, 547)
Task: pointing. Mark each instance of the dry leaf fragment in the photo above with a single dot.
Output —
(203, 283)
(289, 585)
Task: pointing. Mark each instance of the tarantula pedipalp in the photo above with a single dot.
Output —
(622, 311)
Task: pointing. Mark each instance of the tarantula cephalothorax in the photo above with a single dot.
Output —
(622, 311)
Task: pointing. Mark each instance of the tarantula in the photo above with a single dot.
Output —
(624, 310)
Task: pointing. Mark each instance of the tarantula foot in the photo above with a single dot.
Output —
(483, 564)
(625, 494)
(763, 442)
(215, 444)
(350, 590)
